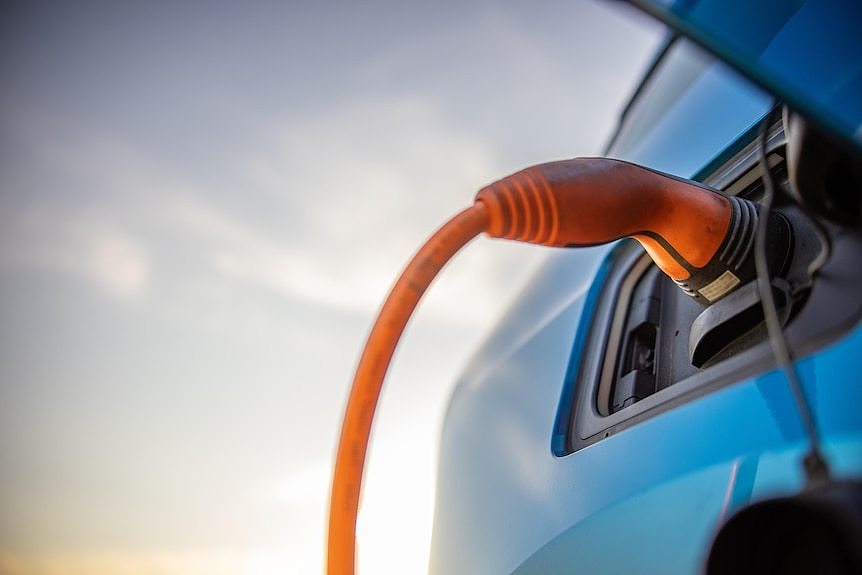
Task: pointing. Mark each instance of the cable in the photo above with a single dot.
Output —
(589, 201)
(696, 235)
(693, 234)
(814, 464)
(370, 372)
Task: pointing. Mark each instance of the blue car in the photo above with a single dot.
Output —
(615, 424)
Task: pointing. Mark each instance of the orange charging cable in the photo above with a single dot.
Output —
(381, 343)
(696, 235)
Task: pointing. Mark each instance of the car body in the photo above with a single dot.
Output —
(538, 472)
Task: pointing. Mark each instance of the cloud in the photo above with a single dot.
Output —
(116, 262)
(360, 186)
(109, 257)
(325, 208)
(223, 171)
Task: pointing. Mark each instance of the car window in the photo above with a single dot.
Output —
(689, 106)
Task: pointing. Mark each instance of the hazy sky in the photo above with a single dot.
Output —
(201, 206)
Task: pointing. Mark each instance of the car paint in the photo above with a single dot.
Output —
(806, 52)
(649, 498)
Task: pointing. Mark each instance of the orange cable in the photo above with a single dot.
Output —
(588, 201)
(370, 372)
(579, 202)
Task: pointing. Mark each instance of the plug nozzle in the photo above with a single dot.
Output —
(699, 237)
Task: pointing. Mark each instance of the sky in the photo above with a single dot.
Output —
(202, 204)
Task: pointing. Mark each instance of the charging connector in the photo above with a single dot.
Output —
(696, 235)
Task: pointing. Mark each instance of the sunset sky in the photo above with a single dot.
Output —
(202, 204)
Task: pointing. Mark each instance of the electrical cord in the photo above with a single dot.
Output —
(370, 372)
(694, 234)
(814, 464)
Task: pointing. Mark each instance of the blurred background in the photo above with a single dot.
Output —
(202, 204)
